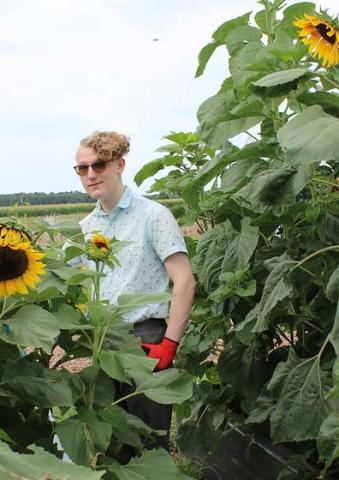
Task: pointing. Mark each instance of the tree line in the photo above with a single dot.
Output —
(42, 198)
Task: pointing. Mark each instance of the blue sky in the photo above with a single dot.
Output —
(73, 66)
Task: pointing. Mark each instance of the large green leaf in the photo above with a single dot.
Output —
(168, 386)
(83, 438)
(124, 366)
(210, 253)
(281, 77)
(329, 101)
(277, 288)
(204, 55)
(310, 136)
(50, 287)
(127, 428)
(151, 465)
(32, 326)
(68, 318)
(219, 38)
(245, 368)
(302, 387)
(240, 250)
(291, 13)
(41, 465)
(328, 439)
(148, 170)
(215, 136)
(273, 189)
(41, 386)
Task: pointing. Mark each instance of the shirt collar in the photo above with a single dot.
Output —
(123, 203)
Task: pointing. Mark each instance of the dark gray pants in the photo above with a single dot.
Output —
(156, 415)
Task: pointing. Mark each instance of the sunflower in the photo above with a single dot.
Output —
(98, 247)
(322, 37)
(20, 263)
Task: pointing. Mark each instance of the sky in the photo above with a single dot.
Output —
(69, 67)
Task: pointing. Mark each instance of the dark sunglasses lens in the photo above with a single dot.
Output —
(81, 170)
(99, 166)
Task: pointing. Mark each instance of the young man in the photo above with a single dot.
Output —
(156, 254)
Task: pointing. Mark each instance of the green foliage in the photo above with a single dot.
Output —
(65, 311)
(266, 252)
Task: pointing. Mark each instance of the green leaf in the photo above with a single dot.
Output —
(328, 439)
(224, 29)
(204, 55)
(329, 101)
(168, 386)
(212, 110)
(183, 138)
(69, 319)
(210, 170)
(83, 439)
(332, 289)
(246, 242)
(310, 136)
(334, 333)
(128, 302)
(148, 170)
(262, 410)
(274, 188)
(245, 368)
(124, 366)
(240, 36)
(291, 13)
(142, 300)
(277, 288)
(4, 436)
(41, 386)
(216, 136)
(151, 465)
(31, 326)
(41, 465)
(127, 428)
(303, 387)
(281, 77)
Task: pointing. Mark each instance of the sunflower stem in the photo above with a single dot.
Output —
(314, 254)
(324, 77)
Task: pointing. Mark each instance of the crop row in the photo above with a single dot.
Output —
(61, 209)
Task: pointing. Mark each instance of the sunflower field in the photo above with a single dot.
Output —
(259, 177)
(49, 300)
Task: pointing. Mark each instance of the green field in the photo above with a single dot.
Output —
(61, 209)
(70, 212)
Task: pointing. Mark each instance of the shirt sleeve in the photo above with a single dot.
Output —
(165, 234)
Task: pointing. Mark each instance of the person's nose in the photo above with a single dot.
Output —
(91, 174)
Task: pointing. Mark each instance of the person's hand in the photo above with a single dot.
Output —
(164, 351)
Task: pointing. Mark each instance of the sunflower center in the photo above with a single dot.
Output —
(100, 245)
(322, 28)
(13, 263)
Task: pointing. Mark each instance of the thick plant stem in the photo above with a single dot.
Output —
(314, 254)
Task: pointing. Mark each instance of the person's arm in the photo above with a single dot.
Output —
(179, 271)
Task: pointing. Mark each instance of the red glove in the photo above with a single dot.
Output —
(164, 351)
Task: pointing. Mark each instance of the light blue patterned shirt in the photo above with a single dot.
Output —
(155, 235)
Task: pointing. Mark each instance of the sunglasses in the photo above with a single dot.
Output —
(98, 166)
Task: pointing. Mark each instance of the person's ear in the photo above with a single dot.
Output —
(121, 165)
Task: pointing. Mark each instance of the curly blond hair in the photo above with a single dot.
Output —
(108, 145)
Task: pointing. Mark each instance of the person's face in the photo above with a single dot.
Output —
(99, 185)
